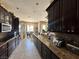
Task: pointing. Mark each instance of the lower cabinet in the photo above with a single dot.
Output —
(7, 48)
(43, 50)
(43, 53)
(47, 53)
(12, 45)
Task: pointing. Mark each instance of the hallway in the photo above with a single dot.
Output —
(26, 50)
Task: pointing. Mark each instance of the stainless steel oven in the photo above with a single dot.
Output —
(6, 27)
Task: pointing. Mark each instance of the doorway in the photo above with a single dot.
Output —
(30, 30)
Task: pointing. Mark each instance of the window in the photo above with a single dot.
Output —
(30, 28)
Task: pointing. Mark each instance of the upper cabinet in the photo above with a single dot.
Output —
(4, 15)
(1, 15)
(77, 16)
(63, 16)
(56, 10)
(69, 15)
(8, 21)
(6, 18)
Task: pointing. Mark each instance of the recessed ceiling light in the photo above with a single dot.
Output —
(17, 8)
(37, 3)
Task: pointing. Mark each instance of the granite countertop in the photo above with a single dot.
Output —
(60, 52)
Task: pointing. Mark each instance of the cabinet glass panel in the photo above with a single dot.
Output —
(7, 19)
(2, 17)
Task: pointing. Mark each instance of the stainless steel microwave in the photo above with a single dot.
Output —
(6, 27)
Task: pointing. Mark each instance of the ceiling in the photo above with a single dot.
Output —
(28, 10)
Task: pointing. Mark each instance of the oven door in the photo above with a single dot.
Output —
(6, 27)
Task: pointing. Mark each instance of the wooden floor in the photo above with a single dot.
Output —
(26, 50)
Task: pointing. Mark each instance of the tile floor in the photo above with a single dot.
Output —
(26, 50)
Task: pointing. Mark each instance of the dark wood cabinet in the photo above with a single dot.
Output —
(9, 19)
(69, 15)
(12, 45)
(77, 16)
(63, 16)
(15, 24)
(61, 8)
(54, 16)
(6, 19)
(4, 16)
(2, 51)
(56, 10)
(8, 47)
(78, 9)
(43, 50)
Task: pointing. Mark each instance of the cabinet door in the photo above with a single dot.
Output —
(53, 56)
(15, 24)
(39, 48)
(78, 9)
(77, 29)
(11, 47)
(69, 13)
(2, 16)
(6, 17)
(44, 51)
(50, 19)
(11, 17)
(48, 55)
(3, 52)
(56, 16)
(61, 15)
(56, 10)
(61, 8)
